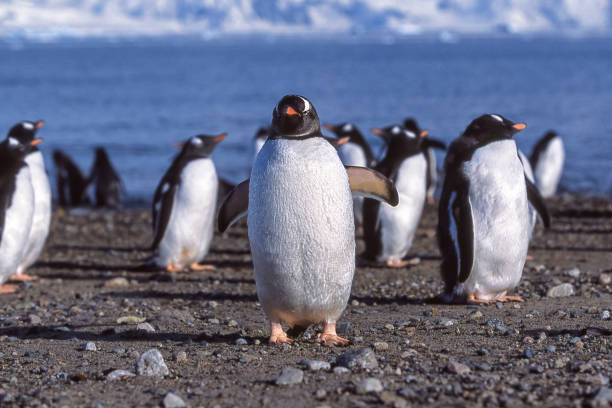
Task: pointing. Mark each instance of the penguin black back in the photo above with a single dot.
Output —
(540, 146)
(106, 179)
(71, 183)
(349, 130)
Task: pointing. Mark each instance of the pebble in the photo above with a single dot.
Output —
(171, 400)
(380, 346)
(180, 357)
(315, 365)
(290, 376)
(130, 320)
(446, 322)
(116, 283)
(34, 319)
(341, 370)
(241, 342)
(389, 327)
(536, 369)
(605, 278)
(90, 346)
(605, 315)
(562, 290)
(456, 367)
(232, 323)
(359, 358)
(574, 273)
(603, 398)
(528, 340)
(476, 315)
(368, 385)
(482, 352)
(151, 363)
(119, 375)
(551, 349)
(528, 353)
(320, 394)
(145, 327)
(213, 321)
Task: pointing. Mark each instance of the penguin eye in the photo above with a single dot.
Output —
(27, 125)
(347, 128)
(395, 130)
(196, 141)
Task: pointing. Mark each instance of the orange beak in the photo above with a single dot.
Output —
(377, 131)
(328, 126)
(519, 126)
(291, 111)
(343, 140)
(424, 133)
(40, 124)
(36, 141)
(220, 137)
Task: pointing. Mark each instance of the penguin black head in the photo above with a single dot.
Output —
(400, 142)
(201, 146)
(295, 118)
(412, 125)
(345, 129)
(25, 133)
(16, 148)
(490, 128)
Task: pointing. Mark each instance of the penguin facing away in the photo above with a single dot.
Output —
(389, 231)
(184, 206)
(16, 207)
(533, 214)
(547, 161)
(484, 220)
(106, 179)
(300, 222)
(25, 133)
(429, 144)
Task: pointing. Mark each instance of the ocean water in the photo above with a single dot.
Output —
(138, 98)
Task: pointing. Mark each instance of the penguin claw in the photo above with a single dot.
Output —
(171, 268)
(278, 339)
(400, 263)
(201, 267)
(473, 300)
(5, 289)
(22, 277)
(511, 299)
(332, 339)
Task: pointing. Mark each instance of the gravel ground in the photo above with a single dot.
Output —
(65, 337)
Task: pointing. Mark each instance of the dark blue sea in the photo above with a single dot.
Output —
(138, 98)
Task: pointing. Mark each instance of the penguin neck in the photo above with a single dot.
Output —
(277, 136)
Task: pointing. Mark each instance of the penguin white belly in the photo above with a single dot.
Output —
(549, 167)
(42, 210)
(352, 154)
(533, 215)
(190, 228)
(432, 170)
(398, 224)
(501, 220)
(301, 231)
(17, 225)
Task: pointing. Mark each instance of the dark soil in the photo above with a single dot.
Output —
(546, 351)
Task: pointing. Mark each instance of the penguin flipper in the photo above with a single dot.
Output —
(536, 199)
(462, 217)
(162, 209)
(372, 184)
(235, 206)
(431, 143)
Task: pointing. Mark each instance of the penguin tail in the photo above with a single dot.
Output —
(297, 330)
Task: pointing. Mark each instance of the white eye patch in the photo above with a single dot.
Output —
(27, 125)
(306, 104)
(497, 117)
(196, 141)
(395, 130)
(410, 134)
(13, 141)
(347, 128)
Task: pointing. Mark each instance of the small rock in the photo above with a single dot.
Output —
(34, 319)
(145, 327)
(131, 320)
(482, 352)
(536, 369)
(456, 367)
(341, 370)
(119, 375)
(90, 346)
(116, 283)
(232, 323)
(180, 357)
(476, 315)
(551, 349)
(151, 363)
(213, 320)
(241, 342)
(446, 322)
(171, 400)
(391, 399)
(602, 399)
(368, 385)
(605, 278)
(528, 340)
(290, 376)
(358, 358)
(574, 273)
(380, 346)
(320, 394)
(528, 353)
(316, 365)
(562, 290)
(605, 315)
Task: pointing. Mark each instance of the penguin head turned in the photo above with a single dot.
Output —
(295, 118)
(341, 130)
(492, 127)
(25, 133)
(401, 142)
(201, 146)
(412, 125)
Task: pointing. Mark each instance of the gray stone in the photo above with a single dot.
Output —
(574, 273)
(180, 357)
(380, 346)
(171, 400)
(456, 367)
(90, 346)
(145, 327)
(290, 376)
(151, 363)
(368, 385)
(315, 365)
(562, 290)
(34, 319)
(359, 358)
(241, 342)
(605, 315)
(341, 370)
(605, 278)
(119, 375)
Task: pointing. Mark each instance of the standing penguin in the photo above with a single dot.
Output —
(300, 222)
(484, 220)
(259, 139)
(16, 207)
(356, 152)
(389, 231)
(24, 132)
(533, 214)
(106, 179)
(547, 162)
(184, 206)
(429, 144)
(71, 183)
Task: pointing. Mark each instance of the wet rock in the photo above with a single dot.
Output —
(562, 290)
(315, 365)
(90, 346)
(359, 358)
(574, 273)
(456, 367)
(145, 327)
(368, 385)
(151, 363)
(116, 283)
(290, 376)
(241, 342)
(119, 375)
(171, 400)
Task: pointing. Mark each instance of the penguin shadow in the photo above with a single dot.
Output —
(197, 296)
(568, 248)
(99, 248)
(400, 300)
(590, 331)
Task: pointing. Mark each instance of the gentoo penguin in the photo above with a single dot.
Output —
(356, 152)
(484, 220)
(547, 162)
(300, 222)
(259, 139)
(25, 132)
(16, 207)
(533, 214)
(184, 206)
(106, 179)
(71, 183)
(389, 231)
(429, 144)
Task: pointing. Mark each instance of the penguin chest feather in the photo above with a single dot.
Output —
(549, 167)
(498, 196)
(301, 231)
(190, 227)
